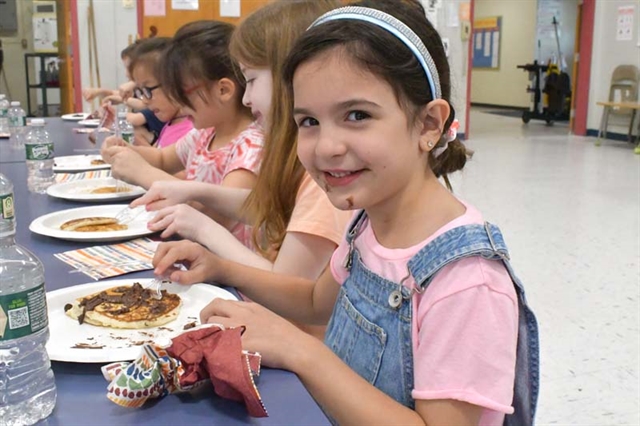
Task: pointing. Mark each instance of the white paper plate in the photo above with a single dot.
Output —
(49, 224)
(80, 190)
(91, 122)
(76, 116)
(119, 345)
(78, 163)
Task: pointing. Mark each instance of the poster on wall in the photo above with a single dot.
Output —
(185, 4)
(230, 8)
(486, 42)
(547, 10)
(624, 29)
(155, 8)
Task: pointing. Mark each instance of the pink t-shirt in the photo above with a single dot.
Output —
(464, 326)
(171, 133)
(243, 152)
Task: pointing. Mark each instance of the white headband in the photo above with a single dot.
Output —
(396, 27)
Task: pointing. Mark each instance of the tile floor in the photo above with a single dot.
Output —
(570, 213)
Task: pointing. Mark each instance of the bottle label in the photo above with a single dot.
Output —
(39, 152)
(4, 112)
(17, 121)
(127, 137)
(23, 314)
(6, 206)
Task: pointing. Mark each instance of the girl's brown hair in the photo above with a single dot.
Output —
(384, 55)
(199, 52)
(263, 40)
(148, 53)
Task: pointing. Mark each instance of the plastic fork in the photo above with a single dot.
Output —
(156, 284)
(127, 214)
(93, 136)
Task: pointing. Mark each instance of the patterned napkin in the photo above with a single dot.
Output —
(95, 174)
(207, 353)
(112, 260)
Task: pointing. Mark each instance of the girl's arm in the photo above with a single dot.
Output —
(240, 179)
(136, 119)
(227, 201)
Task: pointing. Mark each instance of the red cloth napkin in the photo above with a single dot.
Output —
(206, 353)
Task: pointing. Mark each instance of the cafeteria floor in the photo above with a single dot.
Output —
(570, 214)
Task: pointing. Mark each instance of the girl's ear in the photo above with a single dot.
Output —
(431, 120)
(225, 89)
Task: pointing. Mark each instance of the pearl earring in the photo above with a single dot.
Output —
(430, 144)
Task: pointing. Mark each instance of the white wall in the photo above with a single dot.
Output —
(114, 25)
(608, 53)
(507, 85)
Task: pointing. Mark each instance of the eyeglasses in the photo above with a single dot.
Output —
(144, 92)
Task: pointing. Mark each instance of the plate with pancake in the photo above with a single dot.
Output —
(95, 190)
(79, 163)
(97, 224)
(78, 116)
(71, 341)
(90, 122)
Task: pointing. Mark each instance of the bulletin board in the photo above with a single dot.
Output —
(486, 42)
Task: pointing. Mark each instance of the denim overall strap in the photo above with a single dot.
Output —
(370, 330)
(487, 241)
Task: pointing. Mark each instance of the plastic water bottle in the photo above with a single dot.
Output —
(17, 123)
(27, 386)
(4, 115)
(39, 153)
(126, 129)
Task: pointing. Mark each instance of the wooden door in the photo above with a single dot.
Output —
(208, 9)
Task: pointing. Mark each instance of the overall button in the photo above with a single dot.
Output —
(395, 299)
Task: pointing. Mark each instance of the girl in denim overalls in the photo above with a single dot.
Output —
(428, 324)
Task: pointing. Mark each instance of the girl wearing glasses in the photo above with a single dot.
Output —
(225, 146)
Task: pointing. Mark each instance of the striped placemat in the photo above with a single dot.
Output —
(112, 260)
(94, 174)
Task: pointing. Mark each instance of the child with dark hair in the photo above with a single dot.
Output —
(427, 322)
(198, 74)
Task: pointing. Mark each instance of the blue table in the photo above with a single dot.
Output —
(65, 140)
(81, 387)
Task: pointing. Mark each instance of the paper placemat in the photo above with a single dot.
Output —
(112, 260)
(95, 174)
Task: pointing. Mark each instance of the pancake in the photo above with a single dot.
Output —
(93, 224)
(97, 162)
(110, 189)
(129, 307)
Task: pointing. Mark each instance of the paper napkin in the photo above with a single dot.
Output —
(112, 260)
(95, 174)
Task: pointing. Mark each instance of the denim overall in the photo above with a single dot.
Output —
(370, 329)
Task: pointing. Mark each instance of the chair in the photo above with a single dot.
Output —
(623, 89)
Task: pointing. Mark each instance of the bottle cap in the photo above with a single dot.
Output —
(15, 103)
(2, 96)
(37, 122)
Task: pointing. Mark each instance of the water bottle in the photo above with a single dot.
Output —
(4, 115)
(39, 153)
(126, 129)
(17, 123)
(27, 386)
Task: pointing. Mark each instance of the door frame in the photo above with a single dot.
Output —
(581, 94)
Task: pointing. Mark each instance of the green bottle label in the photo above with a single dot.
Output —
(6, 206)
(39, 152)
(17, 121)
(128, 137)
(23, 314)
(4, 112)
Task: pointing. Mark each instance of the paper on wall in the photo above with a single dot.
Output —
(452, 15)
(230, 8)
(155, 8)
(624, 29)
(185, 4)
(496, 50)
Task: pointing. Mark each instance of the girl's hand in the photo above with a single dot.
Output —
(90, 93)
(126, 89)
(108, 143)
(164, 194)
(181, 219)
(201, 264)
(111, 100)
(275, 338)
(126, 164)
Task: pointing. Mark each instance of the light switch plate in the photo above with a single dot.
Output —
(128, 4)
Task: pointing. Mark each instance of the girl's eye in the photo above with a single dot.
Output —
(308, 122)
(250, 80)
(357, 116)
